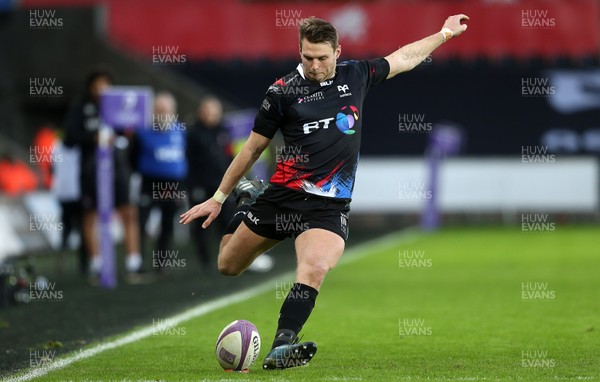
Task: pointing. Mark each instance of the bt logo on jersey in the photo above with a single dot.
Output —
(345, 119)
(309, 127)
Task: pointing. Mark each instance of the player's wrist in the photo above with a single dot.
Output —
(220, 197)
(446, 33)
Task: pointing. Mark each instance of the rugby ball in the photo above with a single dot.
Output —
(238, 346)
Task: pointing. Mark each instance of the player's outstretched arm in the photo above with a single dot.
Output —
(411, 55)
(251, 150)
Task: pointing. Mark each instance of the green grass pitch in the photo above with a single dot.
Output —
(460, 304)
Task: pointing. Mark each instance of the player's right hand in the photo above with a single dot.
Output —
(454, 23)
(210, 208)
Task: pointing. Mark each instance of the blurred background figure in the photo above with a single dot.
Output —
(159, 156)
(82, 131)
(208, 154)
(66, 188)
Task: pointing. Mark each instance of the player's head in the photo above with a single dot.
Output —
(96, 82)
(319, 48)
(210, 111)
(164, 103)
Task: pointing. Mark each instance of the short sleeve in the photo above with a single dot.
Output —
(269, 117)
(379, 69)
(373, 71)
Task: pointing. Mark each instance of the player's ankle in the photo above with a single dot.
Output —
(133, 262)
(283, 337)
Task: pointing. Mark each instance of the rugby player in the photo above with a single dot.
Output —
(318, 109)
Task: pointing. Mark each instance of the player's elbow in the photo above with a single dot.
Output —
(253, 152)
(406, 64)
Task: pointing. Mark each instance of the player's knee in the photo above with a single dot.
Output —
(127, 213)
(316, 273)
(227, 267)
(228, 270)
(224, 240)
(321, 271)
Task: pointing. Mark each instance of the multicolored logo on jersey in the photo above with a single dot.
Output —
(346, 118)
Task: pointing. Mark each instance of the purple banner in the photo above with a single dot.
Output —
(105, 192)
(120, 108)
(444, 140)
(124, 107)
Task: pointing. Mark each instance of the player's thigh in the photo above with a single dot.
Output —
(242, 247)
(318, 251)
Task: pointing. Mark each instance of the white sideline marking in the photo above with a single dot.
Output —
(355, 253)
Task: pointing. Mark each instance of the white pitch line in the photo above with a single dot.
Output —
(355, 253)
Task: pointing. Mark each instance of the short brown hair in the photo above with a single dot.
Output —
(316, 31)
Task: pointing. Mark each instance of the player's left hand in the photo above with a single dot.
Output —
(210, 208)
(454, 24)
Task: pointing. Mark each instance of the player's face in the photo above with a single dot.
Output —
(98, 86)
(210, 112)
(318, 60)
(164, 106)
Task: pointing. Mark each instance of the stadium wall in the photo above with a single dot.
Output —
(552, 184)
(258, 30)
(500, 108)
(394, 192)
(63, 56)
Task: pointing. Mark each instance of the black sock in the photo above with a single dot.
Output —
(294, 312)
(237, 218)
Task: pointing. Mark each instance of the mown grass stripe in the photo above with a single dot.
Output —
(357, 252)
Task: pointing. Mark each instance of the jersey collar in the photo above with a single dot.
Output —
(300, 70)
